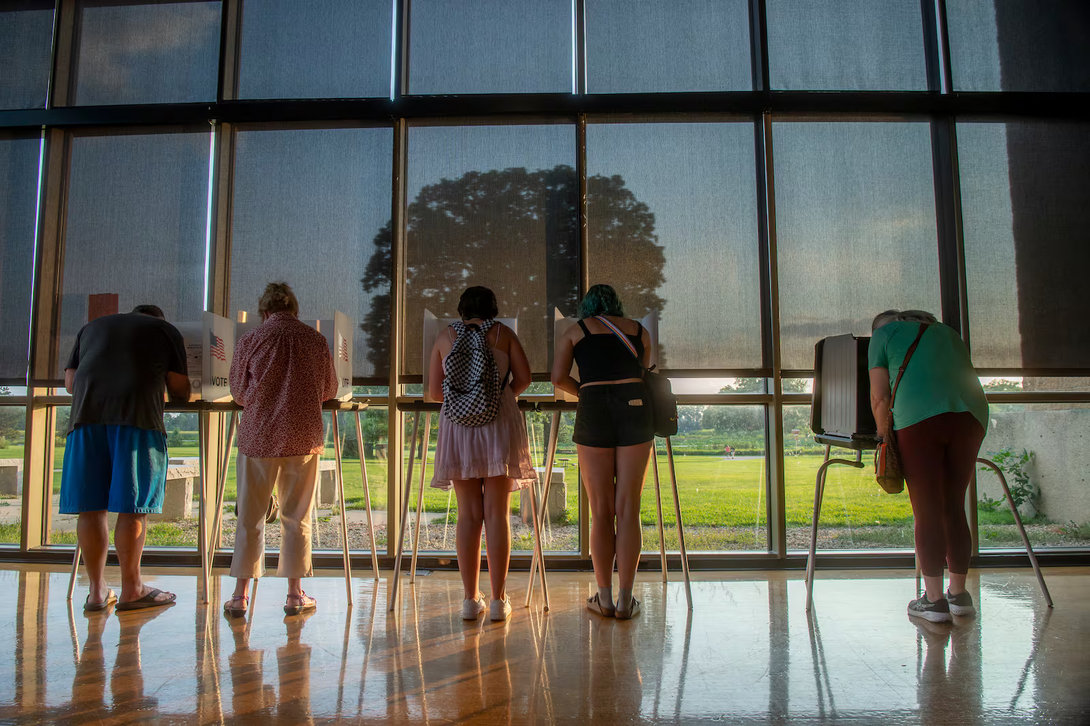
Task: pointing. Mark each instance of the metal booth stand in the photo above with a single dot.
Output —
(335, 407)
(208, 541)
(840, 416)
(561, 325)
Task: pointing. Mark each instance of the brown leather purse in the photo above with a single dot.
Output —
(888, 470)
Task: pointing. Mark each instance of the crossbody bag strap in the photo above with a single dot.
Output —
(621, 336)
(901, 370)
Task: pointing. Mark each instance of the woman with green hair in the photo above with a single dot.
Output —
(613, 435)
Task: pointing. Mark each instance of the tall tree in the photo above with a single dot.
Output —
(515, 231)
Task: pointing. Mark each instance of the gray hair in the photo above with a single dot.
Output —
(902, 316)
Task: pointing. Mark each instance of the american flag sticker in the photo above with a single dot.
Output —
(217, 348)
(343, 349)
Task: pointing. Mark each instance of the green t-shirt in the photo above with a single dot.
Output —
(939, 378)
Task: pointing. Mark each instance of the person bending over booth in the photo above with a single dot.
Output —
(613, 435)
(115, 458)
(940, 416)
(477, 368)
(281, 374)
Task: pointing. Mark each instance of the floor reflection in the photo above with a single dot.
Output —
(748, 652)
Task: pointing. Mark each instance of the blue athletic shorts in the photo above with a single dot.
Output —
(115, 468)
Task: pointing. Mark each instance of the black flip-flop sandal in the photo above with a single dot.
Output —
(94, 607)
(148, 601)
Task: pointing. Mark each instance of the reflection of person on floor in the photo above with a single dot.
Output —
(293, 670)
(116, 454)
(247, 673)
(127, 679)
(89, 681)
(945, 691)
(484, 460)
(613, 434)
(281, 373)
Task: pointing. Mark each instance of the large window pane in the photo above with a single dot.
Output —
(149, 52)
(1042, 450)
(1026, 209)
(136, 226)
(1019, 45)
(850, 45)
(673, 227)
(490, 46)
(18, 204)
(855, 224)
(652, 46)
(855, 512)
(26, 39)
(312, 207)
(439, 519)
(723, 491)
(12, 430)
(316, 49)
(494, 206)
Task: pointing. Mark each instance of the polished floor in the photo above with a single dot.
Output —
(748, 653)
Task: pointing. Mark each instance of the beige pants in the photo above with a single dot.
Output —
(296, 481)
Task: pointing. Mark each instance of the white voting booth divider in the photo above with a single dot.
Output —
(561, 325)
(432, 327)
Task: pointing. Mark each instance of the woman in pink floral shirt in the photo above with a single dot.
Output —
(281, 373)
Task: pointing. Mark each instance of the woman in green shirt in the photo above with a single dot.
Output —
(940, 417)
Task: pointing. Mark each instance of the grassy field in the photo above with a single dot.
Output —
(714, 491)
(719, 496)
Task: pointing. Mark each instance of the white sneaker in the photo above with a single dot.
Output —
(500, 610)
(472, 609)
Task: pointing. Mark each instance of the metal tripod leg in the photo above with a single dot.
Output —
(202, 496)
(344, 508)
(75, 571)
(680, 524)
(539, 552)
(396, 584)
(420, 496)
(1021, 529)
(658, 505)
(366, 494)
(819, 492)
(221, 487)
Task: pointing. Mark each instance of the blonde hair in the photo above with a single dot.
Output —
(902, 316)
(278, 298)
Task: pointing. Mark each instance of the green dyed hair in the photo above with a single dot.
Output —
(601, 300)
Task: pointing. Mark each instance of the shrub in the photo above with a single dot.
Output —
(1022, 489)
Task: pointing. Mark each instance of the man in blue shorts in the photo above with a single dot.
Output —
(116, 456)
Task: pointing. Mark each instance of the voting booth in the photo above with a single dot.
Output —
(433, 327)
(561, 325)
(841, 416)
(209, 347)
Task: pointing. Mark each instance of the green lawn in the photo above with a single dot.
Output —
(716, 493)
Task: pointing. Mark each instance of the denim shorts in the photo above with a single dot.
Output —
(617, 414)
(115, 468)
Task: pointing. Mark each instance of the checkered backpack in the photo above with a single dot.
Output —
(471, 388)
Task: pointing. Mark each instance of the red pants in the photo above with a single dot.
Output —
(938, 455)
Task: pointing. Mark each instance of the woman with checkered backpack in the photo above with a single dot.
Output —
(477, 368)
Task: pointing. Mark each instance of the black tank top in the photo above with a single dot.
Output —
(603, 357)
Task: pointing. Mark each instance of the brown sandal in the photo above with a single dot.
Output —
(234, 612)
(305, 603)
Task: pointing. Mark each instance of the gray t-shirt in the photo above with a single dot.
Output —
(121, 362)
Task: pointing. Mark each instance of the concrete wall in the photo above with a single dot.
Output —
(1060, 442)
